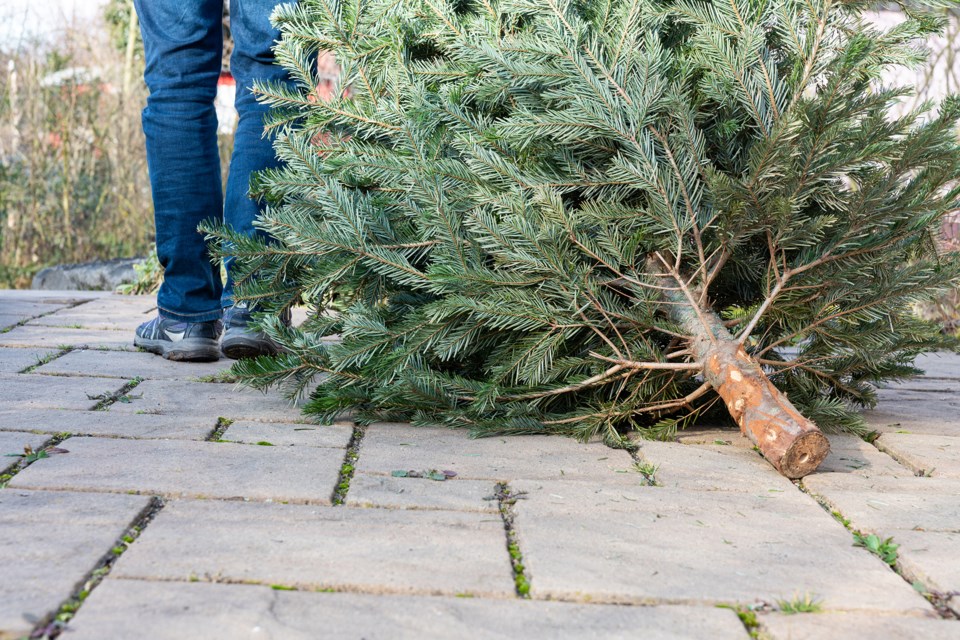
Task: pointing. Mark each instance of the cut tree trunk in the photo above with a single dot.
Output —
(790, 442)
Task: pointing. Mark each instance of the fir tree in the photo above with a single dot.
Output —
(591, 216)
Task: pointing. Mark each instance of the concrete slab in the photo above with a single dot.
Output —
(712, 468)
(50, 542)
(850, 454)
(933, 419)
(290, 434)
(76, 319)
(933, 558)
(707, 435)
(368, 550)
(934, 386)
(584, 541)
(29, 308)
(26, 392)
(8, 320)
(113, 303)
(388, 446)
(856, 627)
(127, 365)
(56, 337)
(880, 505)
(168, 397)
(16, 360)
(104, 423)
(929, 455)
(176, 469)
(422, 493)
(13, 442)
(51, 296)
(121, 609)
(939, 365)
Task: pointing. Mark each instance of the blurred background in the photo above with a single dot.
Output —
(73, 175)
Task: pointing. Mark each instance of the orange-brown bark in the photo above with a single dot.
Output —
(790, 442)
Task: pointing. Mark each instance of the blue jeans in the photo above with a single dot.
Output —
(183, 42)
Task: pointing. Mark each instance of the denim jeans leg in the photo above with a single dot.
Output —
(252, 61)
(183, 42)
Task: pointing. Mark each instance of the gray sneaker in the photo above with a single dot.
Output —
(241, 339)
(183, 341)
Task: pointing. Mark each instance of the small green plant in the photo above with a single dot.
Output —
(841, 519)
(220, 377)
(648, 471)
(805, 603)
(148, 279)
(747, 617)
(29, 455)
(885, 549)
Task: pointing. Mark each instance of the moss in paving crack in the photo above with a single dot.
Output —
(940, 600)
(506, 499)
(29, 459)
(50, 357)
(348, 467)
(53, 625)
(123, 395)
(747, 617)
(646, 469)
(222, 425)
(225, 376)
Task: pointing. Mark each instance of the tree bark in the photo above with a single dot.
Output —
(790, 442)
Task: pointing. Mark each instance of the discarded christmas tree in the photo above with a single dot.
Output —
(590, 217)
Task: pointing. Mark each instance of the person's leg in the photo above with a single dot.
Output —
(183, 42)
(252, 61)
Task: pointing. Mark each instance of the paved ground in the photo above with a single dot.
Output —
(181, 507)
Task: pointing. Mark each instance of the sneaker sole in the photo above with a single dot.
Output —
(238, 347)
(186, 350)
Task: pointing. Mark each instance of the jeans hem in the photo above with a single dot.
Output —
(205, 316)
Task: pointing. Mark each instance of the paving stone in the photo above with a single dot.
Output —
(369, 550)
(13, 442)
(422, 493)
(121, 609)
(881, 504)
(939, 365)
(16, 360)
(857, 627)
(24, 391)
(712, 468)
(117, 303)
(924, 454)
(104, 423)
(56, 337)
(588, 542)
(850, 454)
(935, 387)
(290, 434)
(28, 308)
(50, 542)
(390, 446)
(709, 435)
(934, 418)
(50, 296)
(933, 558)
(78, 319)
(170, 397)
(944, 397)
(115, 364)
(177, 469)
